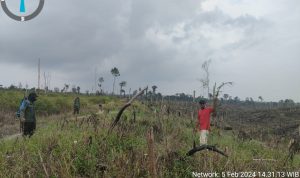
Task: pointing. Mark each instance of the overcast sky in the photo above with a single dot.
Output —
(254, 43)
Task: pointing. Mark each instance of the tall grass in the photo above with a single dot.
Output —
(83, 148)
(50, 103)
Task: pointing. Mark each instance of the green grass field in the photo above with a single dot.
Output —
(66, 146)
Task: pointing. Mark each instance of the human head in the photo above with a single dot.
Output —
(32, 97)
(202, 104)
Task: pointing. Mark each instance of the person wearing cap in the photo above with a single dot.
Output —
(29, 119)
(204, 121)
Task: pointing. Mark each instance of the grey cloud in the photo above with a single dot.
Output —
(74, 38)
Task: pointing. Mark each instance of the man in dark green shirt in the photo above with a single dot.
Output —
(29, 119)
(76, 105)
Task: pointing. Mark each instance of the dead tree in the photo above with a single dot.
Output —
(216, 93)
(117, 119)
(217, 90)
(205, 81)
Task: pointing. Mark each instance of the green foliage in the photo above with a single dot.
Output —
(10, 100)
(99, 100)
(50, 103)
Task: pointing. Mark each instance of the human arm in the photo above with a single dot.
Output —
(24, 105)
(22, 109)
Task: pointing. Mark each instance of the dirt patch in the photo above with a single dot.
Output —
(265, 122)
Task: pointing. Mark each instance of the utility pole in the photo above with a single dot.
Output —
(194, 96)
(39, 73)
(95, 80)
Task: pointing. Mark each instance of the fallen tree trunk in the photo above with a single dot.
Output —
(123, 109)
(205, 147)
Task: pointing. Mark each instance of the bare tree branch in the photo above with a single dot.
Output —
(124, 107)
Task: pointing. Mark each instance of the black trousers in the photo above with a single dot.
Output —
(76, 111)
(29, 128)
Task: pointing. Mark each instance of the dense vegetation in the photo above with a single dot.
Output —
(47, 103)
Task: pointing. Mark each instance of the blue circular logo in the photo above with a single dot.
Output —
(22, 10)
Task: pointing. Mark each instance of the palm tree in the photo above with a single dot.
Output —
(74, 89)
(154, 87)
(260, 98)
(122, 84)
(206, 81)
(66, 87)
(115, 72)
(236, 99)
(225, 96)
(78, 89)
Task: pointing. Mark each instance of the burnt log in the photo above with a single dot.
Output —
(205, 147)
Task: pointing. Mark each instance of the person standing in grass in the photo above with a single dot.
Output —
(76, 105)
(28, 120)
(203, 124)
